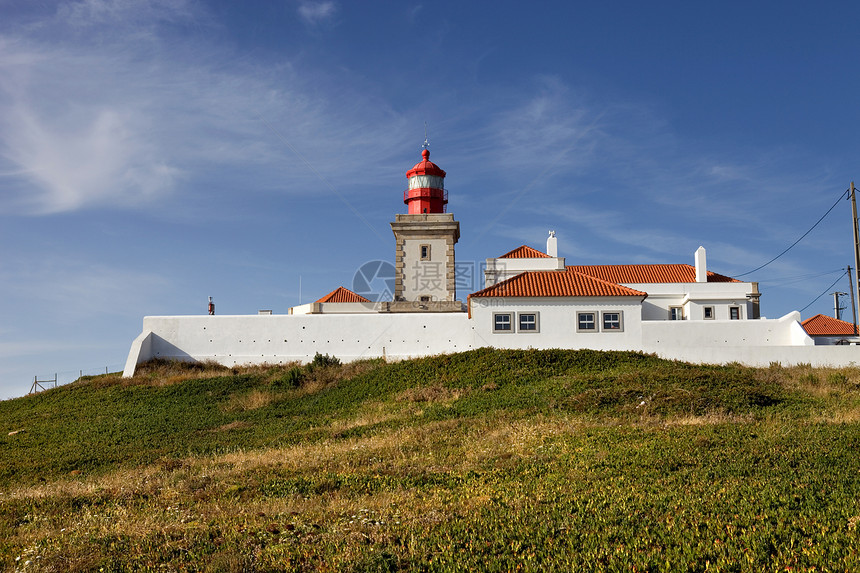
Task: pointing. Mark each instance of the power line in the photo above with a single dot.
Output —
(799, 278)
(798, 240)
(825, 291)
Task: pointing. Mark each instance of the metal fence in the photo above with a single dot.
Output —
(47, 381)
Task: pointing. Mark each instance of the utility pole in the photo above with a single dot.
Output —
(837, 310)
(854, 294)
(853, 305)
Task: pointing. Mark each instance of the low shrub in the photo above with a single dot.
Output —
(292, 378)
(323, 361)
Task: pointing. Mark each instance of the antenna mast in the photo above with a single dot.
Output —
(426, 140)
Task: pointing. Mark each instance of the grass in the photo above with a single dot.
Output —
(487, 460)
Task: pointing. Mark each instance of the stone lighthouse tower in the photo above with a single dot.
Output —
(424, 277)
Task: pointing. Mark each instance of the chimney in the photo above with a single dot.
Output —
(552, 245)
(701, 266)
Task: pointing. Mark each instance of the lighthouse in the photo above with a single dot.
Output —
(425, 277)
(426, 191)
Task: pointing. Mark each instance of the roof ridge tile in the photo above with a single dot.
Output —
(525, 252)
(342, 294)
(555, 284)
(648, 273)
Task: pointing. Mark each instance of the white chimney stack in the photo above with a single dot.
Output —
(552, 245)
(701, 265)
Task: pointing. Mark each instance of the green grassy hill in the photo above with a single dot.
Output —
(487, 460)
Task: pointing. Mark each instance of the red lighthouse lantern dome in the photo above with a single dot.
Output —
(426, 191)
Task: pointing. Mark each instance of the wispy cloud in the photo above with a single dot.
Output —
(551, 122)
(414, 13)
(121, 122)
(126, 13)
(544, 127)
(315, 13)
(89, 136)
(103, 158)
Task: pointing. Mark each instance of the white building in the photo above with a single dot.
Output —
(827, 330)
(531, 299)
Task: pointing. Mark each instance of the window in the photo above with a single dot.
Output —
(426, 181)
(586, 322)
(425, 252)
(735, 312)
(676, 313)
(528, 322)
(612, 321)
(424, 298)
(502, 322)
(708, 312)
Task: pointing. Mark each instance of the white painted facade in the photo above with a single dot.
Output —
(692, 298)
(557, 325)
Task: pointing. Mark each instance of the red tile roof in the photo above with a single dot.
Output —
(627, 274)
(341, 294)
(555, 283)
(525, 252)
(823, 325)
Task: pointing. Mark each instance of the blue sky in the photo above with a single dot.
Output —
(153, 154)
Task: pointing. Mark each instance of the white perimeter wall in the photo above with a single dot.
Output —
(277, 339)
(259, 339)
(785, 331)
(750, 342)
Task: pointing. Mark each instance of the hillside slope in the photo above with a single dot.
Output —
(487, 460)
